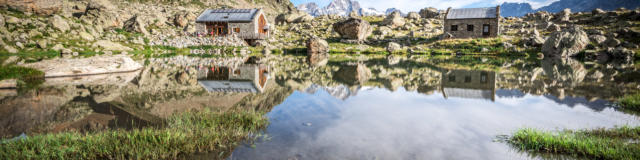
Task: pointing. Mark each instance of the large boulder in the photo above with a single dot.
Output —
(564, 72)
(563, 16)
(111, 46)
(353, 74)
(59, 23)
(622, 53)
(40, 7)
(353, 28)
(317, 51)
(394, 20)
(429, 12)
(566, 43)
(413, 15)
(393, 47)
(135, 24)
(294, 17)
(102, 5)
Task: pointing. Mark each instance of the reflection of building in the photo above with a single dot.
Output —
(469, 84)
(244, 78)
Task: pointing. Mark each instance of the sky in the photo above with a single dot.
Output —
(416, 5)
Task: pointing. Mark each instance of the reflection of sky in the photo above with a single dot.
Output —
(380, 124)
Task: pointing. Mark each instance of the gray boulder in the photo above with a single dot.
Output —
(393, 47)
(429, 12)
(353, 28)
(413, 15)
(611, 42)
(394, 20)
(597, 11)
(563, 16)
(111, 46)
(622, 53)
(317, 52)
(102, 5)
(566, 43)
(40, 7)
(353, 74)
(135, 24)
(59, 23)
(598, 39)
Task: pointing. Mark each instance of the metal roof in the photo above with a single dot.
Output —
(472, 13)
(227, 15)
(229, 86)
(468, 93)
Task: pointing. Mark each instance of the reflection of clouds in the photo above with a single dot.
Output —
(379, 124)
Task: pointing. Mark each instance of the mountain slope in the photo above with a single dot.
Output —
(515, 9)
(588, 5)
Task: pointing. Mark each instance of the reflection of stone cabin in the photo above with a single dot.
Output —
(248, 24)
(469, 84)
(472, 22)
(244, 78)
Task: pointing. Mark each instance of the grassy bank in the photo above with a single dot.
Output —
(630, 102)
(616, 143)
(185, 133)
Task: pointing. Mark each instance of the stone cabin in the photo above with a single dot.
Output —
(251, 78)
(472, 22)
(469, 84)
(248, 24)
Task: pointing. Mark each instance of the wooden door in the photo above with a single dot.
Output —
(261, 24)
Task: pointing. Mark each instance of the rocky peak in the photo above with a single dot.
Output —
(515, 9)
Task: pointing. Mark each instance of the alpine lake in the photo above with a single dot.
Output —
(354, 107)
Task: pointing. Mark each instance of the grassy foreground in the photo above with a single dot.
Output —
(630, 102)
(186, 133)
(616, 143)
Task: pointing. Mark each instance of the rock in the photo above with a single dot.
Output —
(12, 20)
(394, 20)
(111, 46)
(622, 53)
(8, 84)
(135, 24)
(413, 15)
(484, 50)
(40, 7)
(10, 49)
(317, 52)
(564, 15)
(393, 47)
(611, 42)
(180, 20)
(353, 28)
(10, 60)
(353, 74)
(86, 36)
(598, 39)
(292, 17)
(1, 20)
(20, 45)
(42, 44)
(85, 66)
(384, 31)
(429, 12)
(57, 47)
(566, 43)
(102, 5)
(354, 14)
(597, 11)
(183, 78)
(66, 52)
(303, 19)
(59, 23)
(393, 59)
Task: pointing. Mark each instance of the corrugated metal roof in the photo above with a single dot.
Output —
(228, 86)
(472, 13)
(468, 93)
(227, 15)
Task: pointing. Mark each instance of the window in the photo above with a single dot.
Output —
(237, 30)
(454, 27)
(236, 72)
(485, 30)
(467, 79)
(452, 78)
(469, 27)
(483, 77)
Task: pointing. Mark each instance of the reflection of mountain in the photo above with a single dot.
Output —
(340, 92)
(597, 105)
(469, 84)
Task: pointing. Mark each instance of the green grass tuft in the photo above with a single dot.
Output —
(630, 102)
(616, 143)
(185, 133)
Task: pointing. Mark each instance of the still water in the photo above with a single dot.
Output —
(419, 108)
(381, 124)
